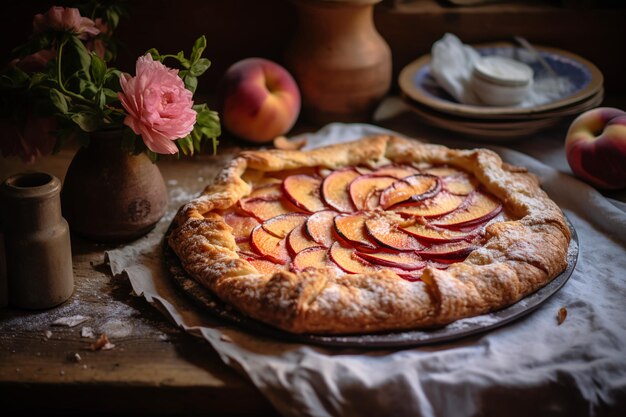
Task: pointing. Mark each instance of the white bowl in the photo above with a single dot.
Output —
(499, 81)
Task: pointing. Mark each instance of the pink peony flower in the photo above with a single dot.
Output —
(158, 105)
(65, 19)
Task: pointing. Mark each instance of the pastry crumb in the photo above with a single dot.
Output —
(102, 343)
(561, 315)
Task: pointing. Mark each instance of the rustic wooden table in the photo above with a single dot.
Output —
(155, 368)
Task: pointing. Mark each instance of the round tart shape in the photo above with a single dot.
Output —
(380, 234)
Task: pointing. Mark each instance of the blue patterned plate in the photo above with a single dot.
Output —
(585, 79)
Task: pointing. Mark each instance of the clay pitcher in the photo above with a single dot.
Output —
(339, 60)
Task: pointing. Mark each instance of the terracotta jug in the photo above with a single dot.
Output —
(38, 253)
(340, 62)
(110, 195)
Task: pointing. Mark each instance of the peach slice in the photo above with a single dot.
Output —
(269, 246)
(442, 203)
(477, 208)
(281, 225)
(436, 234)
(242, 225)
(460, 184)
(448, 252)
(335, 189)
(365, 190)
(298, 240)
(396, 171)
(351, 228)
(266, 267)
(348, 261)
(411, 189)
(264, 209)
(315, 257)
(304, 191)
(320, 227)
(268, 192)
(386, 232)
(408, 261)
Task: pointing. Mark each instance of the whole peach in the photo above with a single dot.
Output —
(258, 99)
(595, 147)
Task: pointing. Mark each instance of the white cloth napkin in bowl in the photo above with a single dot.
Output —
(452, 64)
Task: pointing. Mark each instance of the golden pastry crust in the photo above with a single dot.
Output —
(518, 257)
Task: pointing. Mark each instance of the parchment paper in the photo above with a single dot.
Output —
(531, 367)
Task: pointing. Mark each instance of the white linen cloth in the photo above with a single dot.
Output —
(452, 63)
(530, 367)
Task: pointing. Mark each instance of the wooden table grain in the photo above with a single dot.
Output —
(154, 369)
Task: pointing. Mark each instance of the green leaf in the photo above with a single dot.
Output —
(109, 93)
(198, 47)
(191, 83)
(98, 69)
(113, 18)
(79, 53)
(86, 121)
(152, 155)
(200, 67)
(37, 78)
(58, 100)
(186, 145)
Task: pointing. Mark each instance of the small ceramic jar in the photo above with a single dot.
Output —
(37, 242)
(499, 81)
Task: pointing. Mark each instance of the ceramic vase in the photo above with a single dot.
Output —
(339, 60)
(110, 195)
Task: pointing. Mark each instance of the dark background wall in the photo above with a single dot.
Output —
(242, 28)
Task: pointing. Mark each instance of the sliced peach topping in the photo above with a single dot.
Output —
(335, 189)
(477, 208)
(385, 231)
(298, 240)
(281, 225)
(242, 225)
(320, 227)
(411, 189)
(404, 260)
(269, 246)
(460, 184)
(430, 233)
(265, 266)
(264, 209)
(348, 261)
(304, 191)
(365, 190)
(268, 192)
(442, 203)
(351, 228)
(448, 252)
(316, 257)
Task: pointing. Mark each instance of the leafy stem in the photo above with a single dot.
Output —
(60, 76)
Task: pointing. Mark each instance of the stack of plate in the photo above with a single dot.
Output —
(435, 106)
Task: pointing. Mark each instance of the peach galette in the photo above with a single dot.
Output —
(379, 234)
